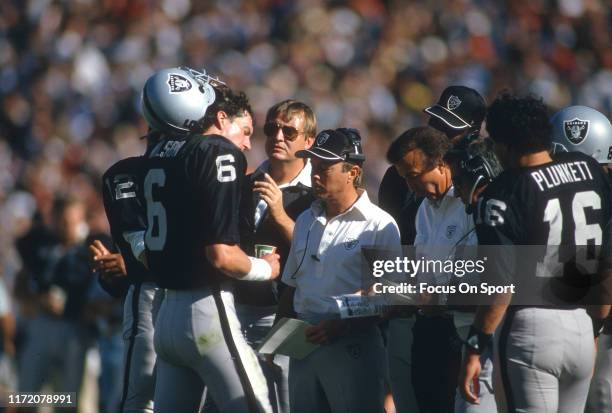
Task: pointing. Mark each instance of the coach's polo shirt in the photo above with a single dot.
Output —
(325, 256)
(441, 227)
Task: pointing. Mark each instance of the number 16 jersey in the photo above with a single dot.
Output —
(192, 190)
(562, 206)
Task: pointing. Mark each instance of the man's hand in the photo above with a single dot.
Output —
(468, 379)
(274, 261)
(271, 193)
(273, 196)
(326, 331)
(110, 266)
(278, 370)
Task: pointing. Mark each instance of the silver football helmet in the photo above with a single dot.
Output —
(174, 100)
(582, 129)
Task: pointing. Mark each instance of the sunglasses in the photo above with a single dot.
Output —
(289, 132)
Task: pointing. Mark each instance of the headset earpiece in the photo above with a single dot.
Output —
(355, 140)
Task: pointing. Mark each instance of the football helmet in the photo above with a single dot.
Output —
(174, 100)
(582, 129)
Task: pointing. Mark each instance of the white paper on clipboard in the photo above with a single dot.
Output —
(287, 337)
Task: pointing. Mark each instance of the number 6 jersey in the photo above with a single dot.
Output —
(192, 191)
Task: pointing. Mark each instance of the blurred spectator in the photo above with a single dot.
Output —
(71, 73)
(7, 343)
(108, 314)
(61, 326)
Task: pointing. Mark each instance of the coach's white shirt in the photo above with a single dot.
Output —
(441, 227)
(325, 256)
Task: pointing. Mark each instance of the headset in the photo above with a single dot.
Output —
(355, 140)
(474, 168)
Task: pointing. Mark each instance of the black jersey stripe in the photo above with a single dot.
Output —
(131, 341)
(503, 359)
(233, 349)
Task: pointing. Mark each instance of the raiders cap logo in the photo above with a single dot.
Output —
(178, 83)
(453, 102)
(322, 139)
(350, 243)
(576, 130)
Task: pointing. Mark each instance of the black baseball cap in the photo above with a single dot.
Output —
(459, 107)
(343, 144)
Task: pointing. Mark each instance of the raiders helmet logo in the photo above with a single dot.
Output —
(350, 243)
(576, 130)
(453, 102)
(178, 83)
(322, 139)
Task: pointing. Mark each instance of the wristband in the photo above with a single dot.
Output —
(260, 270)
(478, 341)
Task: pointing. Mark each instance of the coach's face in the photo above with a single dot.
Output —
(422, 179)
(328, 178)
(284, 137)
(238, 130)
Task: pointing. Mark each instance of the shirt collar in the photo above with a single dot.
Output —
(361, 209)
(449, 195)
(302, 178)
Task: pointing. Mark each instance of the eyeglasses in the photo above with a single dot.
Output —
(289, 132)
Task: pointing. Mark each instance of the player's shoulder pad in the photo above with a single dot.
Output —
(222, 145)
(573, 156)
(503, 186)
(131, 165)
(497, 199)
(205, 141)
(122, 180)
(594, 166)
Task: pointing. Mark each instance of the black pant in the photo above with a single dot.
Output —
(436, 360)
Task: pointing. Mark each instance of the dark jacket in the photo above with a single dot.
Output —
(296, 199)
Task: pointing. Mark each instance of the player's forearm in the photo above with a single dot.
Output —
(229, 259)
(233, 262)
(285, 226)
(490, 316)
